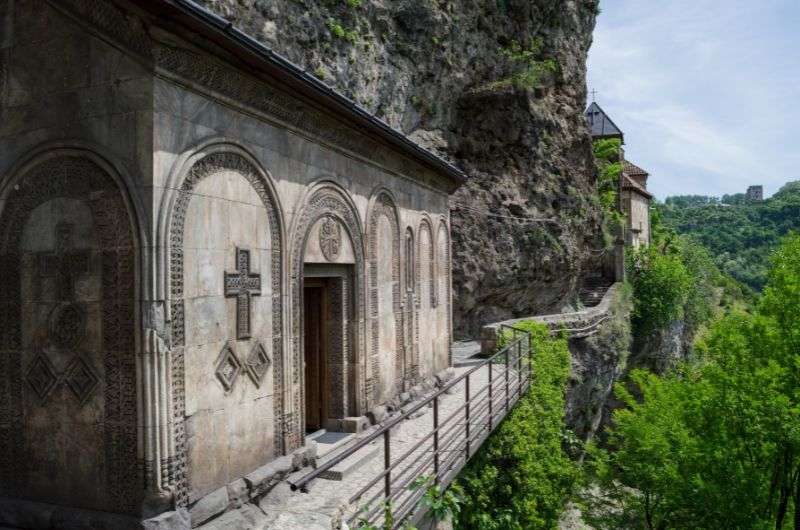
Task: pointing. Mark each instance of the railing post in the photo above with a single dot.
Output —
(491, 397)
(519, 369)
(436, 438)
(530, 358)
(466, 417)
(508, 361)
(387, 462)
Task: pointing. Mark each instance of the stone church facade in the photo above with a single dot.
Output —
(204, 255)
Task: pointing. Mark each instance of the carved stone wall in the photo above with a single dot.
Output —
(227, 317)
(385, 303)
(68, 403)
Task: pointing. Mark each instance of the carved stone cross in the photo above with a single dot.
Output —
(64, 264)
(242, 284)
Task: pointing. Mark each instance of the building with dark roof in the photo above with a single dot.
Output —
(600, 125)
(634, 199)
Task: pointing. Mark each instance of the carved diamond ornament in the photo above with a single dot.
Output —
(228, 368)
(258, 363)
(81, 379)
(41, 376)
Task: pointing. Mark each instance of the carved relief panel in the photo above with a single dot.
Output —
(68, 376)
(227, 320)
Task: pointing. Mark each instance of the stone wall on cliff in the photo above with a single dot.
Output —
(526, 223)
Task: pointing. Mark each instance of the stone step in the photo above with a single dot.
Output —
(352, 463)
(329, 442)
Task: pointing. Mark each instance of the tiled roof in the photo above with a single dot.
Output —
(600, 124)
(630, 184)
(632, 169)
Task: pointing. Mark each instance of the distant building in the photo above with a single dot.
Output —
(634, 199)
(755, 193)
(601, 125)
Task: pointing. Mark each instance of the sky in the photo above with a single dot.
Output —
(707, 92)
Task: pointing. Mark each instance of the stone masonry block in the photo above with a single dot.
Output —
(262, 479)
(238, 493)
(355, 424)
(172, 520)
(212, 504)
(377, 414)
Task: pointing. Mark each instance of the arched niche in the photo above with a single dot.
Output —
(443, 298)
(387, 355)
(68, 390)
(225, 263)
(426, 296)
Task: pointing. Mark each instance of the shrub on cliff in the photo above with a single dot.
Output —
(522, 476)
(661, 286)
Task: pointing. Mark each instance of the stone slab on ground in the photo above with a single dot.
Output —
(209, 506)
(331, 441)
(351, 464)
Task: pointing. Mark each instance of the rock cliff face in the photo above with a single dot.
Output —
(525, 224)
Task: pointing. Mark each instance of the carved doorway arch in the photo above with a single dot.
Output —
(327, 201)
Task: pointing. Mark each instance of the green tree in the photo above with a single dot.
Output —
(740, 234)
(661, 284)
(716, 444)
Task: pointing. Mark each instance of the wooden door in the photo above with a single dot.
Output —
(314, 300)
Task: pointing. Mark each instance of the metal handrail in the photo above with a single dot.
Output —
(475, 418)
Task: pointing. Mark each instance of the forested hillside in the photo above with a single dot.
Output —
(739, 234)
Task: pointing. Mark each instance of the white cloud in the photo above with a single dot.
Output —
(707, 92)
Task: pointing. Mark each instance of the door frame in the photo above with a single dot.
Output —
(345, 400)
(323, 352)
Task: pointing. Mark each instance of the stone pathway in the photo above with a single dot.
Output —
(403, 437)
(327, 501)
(466, 352)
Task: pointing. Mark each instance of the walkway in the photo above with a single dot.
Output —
(461, 409)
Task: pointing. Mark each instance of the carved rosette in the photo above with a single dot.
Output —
(330, 238)
(67, 325)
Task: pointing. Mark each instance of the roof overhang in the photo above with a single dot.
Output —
(295, 80)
